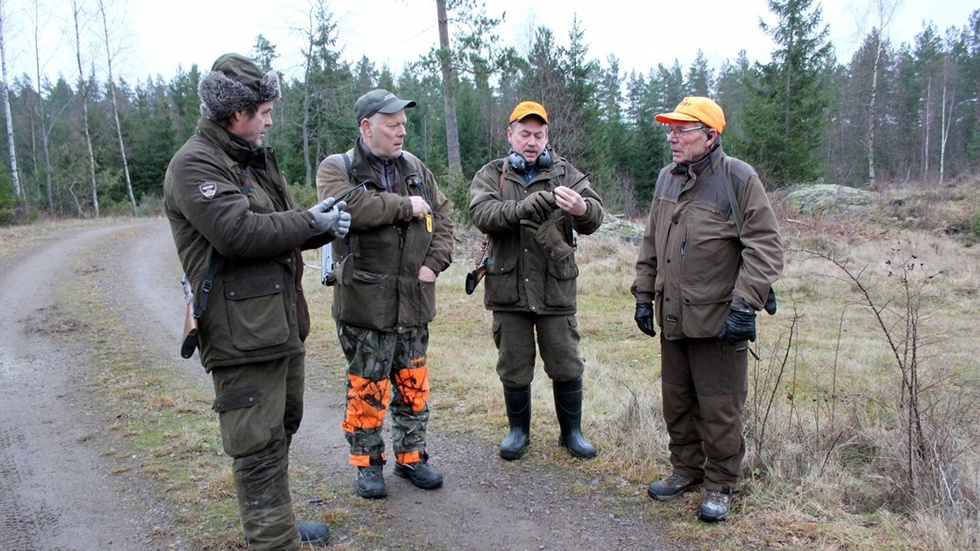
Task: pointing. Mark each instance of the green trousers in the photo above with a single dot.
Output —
(260, 407)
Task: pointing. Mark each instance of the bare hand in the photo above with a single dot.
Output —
(419, 207)
(426, 274)
(570, 201)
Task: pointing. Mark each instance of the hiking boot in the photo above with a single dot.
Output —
(673, 486)
(714, 506)
(371, 482)
(313, 533)
(420, 474)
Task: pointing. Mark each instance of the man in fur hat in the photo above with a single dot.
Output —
(239, 236)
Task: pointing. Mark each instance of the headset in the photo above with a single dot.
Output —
(519, 163)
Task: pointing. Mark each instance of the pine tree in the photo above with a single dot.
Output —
(785, 116)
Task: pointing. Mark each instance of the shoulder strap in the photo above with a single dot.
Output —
(202, 297)
(732, 200)
(350, 175)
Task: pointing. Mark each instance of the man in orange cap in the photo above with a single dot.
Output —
(709, 256)
(530, 204)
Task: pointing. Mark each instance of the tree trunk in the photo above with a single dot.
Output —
(925, 126)
(45, 138)
(83, 92)
(448, 94)
(871, 113)
(115, 109)
(15, 177)
(944, 123)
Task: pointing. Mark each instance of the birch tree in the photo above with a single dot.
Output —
(41, 111)
(12, 150)
(115, 107)
(83, 95)
(884, 11)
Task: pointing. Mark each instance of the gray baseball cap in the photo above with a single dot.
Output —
(379, 101)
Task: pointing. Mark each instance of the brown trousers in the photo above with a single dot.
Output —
(705, 383)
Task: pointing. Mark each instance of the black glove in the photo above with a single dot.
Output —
(536, 206)
(771, 302)
(739, 326)
(644, 318)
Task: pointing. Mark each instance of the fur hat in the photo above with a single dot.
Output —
(235, 82)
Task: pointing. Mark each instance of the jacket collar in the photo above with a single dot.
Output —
(239, 150)
(711, 159)
(363, 160)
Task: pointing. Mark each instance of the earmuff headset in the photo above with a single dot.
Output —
(519, 163)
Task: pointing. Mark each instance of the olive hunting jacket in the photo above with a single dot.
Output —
(376, 283)
(223, 196)
(692, 261)
(526, 272)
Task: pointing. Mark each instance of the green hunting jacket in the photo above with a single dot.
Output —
(692, 261)
(221, 195)
(523, 274)
(376, 283)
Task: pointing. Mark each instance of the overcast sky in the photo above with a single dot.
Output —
(152, 37)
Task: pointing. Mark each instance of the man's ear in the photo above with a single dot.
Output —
(712, 138)
(365, 126)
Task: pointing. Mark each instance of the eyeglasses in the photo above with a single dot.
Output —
(678, 131)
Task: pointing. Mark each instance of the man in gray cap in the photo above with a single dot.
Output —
(239, 236)
(401, 238)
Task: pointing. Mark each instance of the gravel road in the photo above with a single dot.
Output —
(59, 491)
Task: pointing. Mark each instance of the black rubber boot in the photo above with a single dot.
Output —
(568, 408)
(518, 402)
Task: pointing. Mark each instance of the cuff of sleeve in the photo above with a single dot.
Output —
(406, 210)
(310, 219)
(738, 303)
(642, 298)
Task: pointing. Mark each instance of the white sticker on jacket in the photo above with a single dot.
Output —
(208, 189)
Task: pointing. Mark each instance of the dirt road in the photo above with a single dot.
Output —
(58, 490)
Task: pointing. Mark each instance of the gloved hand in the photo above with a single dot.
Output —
(644, 318)
(328, 216)
(342, 225)
(739, 326)
(536, 206)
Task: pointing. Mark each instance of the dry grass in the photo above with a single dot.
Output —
(826, 466)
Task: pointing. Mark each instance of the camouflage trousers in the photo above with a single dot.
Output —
(385, 371)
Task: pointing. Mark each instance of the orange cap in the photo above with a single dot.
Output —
(526, 108)
(696, 109)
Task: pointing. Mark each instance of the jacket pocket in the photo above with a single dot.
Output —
(368, 301)
(427, 301)
(256, 312)
(704, 309)
(559, 285)
(502, 281)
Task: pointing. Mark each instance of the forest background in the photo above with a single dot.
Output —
(96, 144)
(885, 441)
